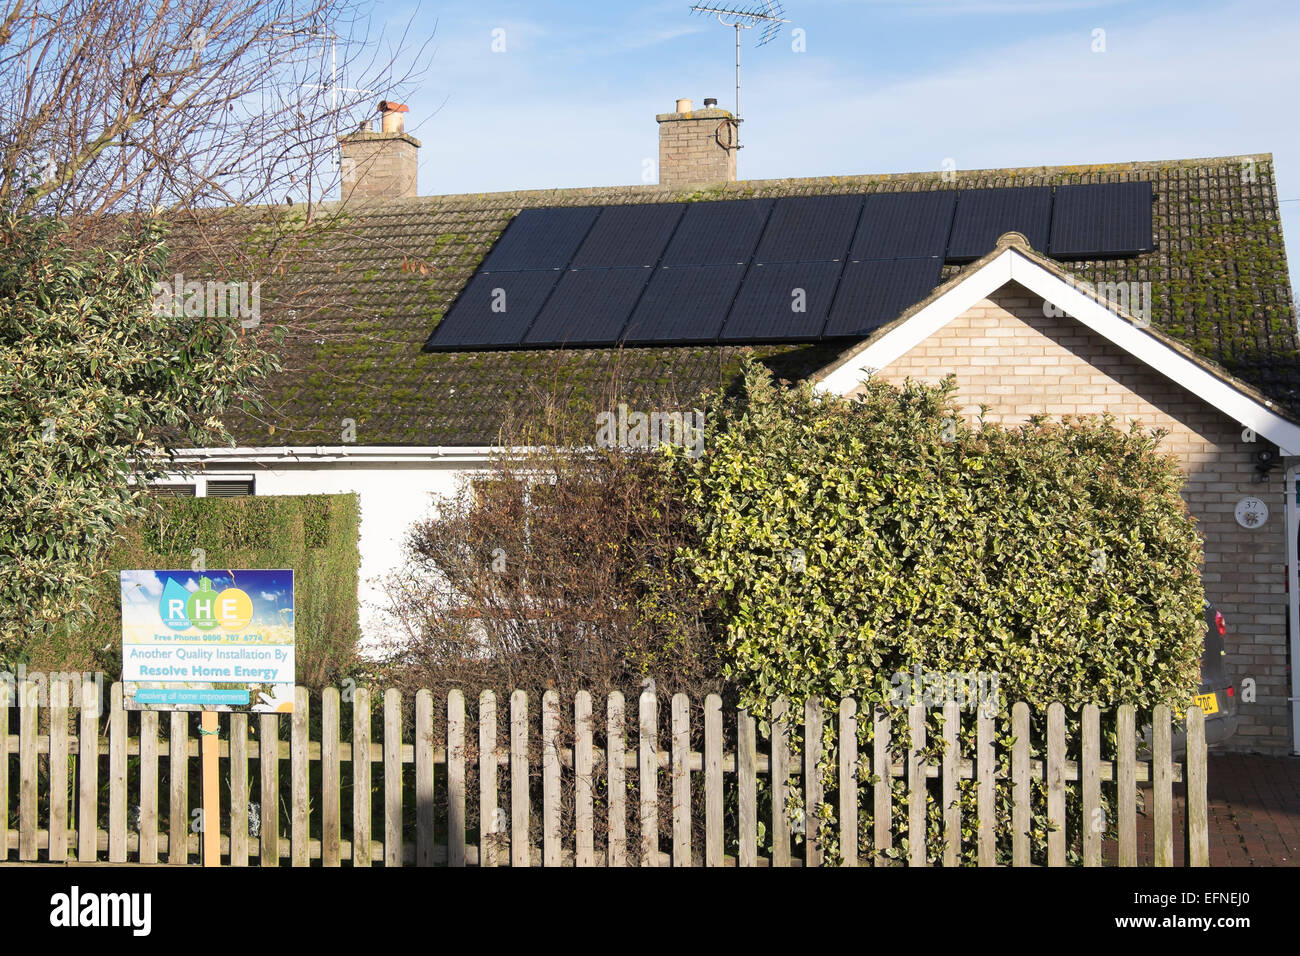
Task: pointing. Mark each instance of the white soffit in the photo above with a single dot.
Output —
(1011, 266)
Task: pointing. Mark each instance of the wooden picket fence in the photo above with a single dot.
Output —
(425, 785)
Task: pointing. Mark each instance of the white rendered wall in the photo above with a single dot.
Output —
(393, 497)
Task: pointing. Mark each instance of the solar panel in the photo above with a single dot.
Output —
(626, 236)
(983, 215)
(1101, 220)
(540, 239)
(782, 302)
(874, 293)
(493, 311)
(809, 229)
(904, 224)
(588, 307)
(686, 304)
(718, 233)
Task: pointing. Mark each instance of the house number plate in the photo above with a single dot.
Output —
(1251, 513)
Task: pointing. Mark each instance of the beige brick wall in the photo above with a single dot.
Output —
(379, 166)
(689, 147)
(1008, 355)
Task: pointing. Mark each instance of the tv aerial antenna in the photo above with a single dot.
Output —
(327, 36)
(333, 86)
(768, 15)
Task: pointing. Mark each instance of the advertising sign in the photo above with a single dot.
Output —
(208, 640)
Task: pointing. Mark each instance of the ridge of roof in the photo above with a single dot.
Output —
(529, 197)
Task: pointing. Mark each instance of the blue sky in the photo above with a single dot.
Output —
(883, 86)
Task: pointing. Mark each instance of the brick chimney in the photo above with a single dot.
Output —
(380, 165)
(696, 146)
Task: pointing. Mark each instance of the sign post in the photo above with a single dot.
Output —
(211, 795)
(208, 641)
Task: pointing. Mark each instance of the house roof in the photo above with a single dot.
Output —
(367, 283)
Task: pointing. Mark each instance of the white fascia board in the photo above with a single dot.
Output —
(1167, 361)
(925, 323)
(326, 454)
(1011, 266)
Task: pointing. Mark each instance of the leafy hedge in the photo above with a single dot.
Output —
(844, 542)
(315, 535)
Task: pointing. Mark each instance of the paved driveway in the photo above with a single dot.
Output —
(1254, 810)
(1254, 805)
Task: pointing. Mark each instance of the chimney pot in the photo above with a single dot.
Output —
(684, 106)
(391, 115)
(710, 102)
(380, 165)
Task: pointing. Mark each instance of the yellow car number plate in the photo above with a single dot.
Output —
(1208, 703)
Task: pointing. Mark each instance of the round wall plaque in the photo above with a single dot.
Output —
(1251, 513)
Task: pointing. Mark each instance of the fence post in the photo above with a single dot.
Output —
(455, 778)
(616, 788)
(116, 777)
(986, 767)
(331, 823)
(361, 777)
(1056, 784)
(1163, 786)
(88, 775)
(916, 788)
(951, 769)
(812, 781)
(520, 854)
(713, 780)
(58, 847)
(300, 778)
(178, 800)
(148, 786)
(269, 798)
(5, 704)
(1126, 759)
(28, 719)
(551, 845)
(1020, 785)
(1093, 824)
(681, 744)
(393, 778)
(583, 785)
(239, 790)
(779, 766)
(882, 806)
(848, 781)
(489, 831)
(648, 777)
(424, 778)
(1198, 828)
(747, 789)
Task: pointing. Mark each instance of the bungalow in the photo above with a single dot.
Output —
(1155, 291)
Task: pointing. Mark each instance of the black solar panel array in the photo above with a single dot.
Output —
(903, 225)
(985, 214)
(1102, 221)
(759, 270)
(540, 239)
(783, 301)
(809, 229)
(874, 292)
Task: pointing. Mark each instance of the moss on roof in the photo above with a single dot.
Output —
(359, 288)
